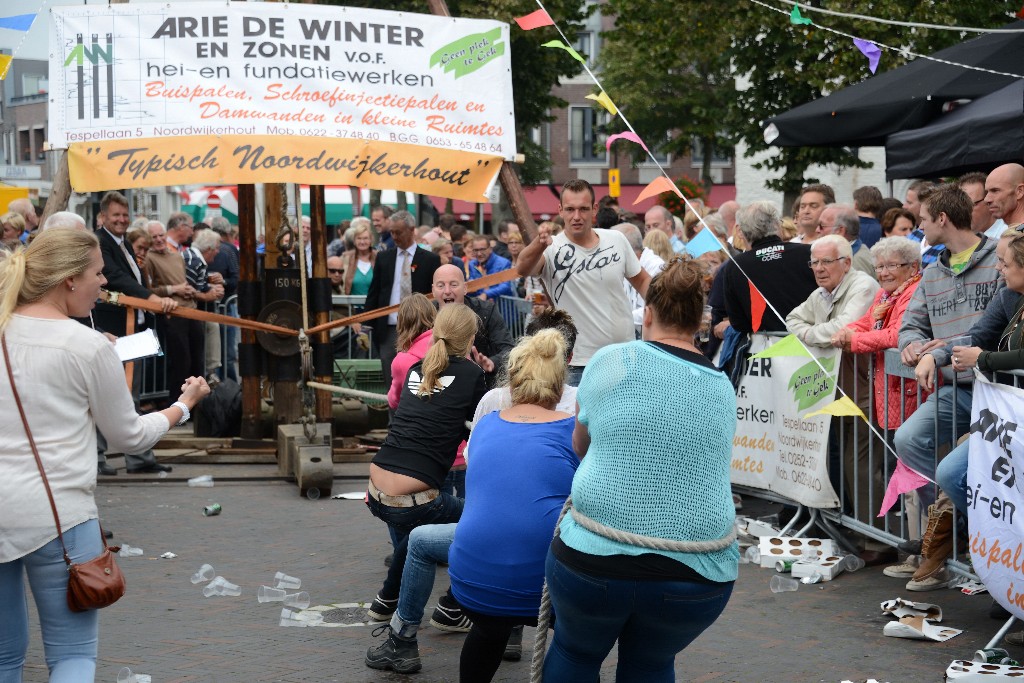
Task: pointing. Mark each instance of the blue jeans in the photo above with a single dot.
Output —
(455, 483)
(951, 476)
(401, 521)
(574, 375)
(428, 546)
(916, 442)
(651, 620)
(70, 639)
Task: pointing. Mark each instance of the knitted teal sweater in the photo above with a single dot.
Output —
(661, 433)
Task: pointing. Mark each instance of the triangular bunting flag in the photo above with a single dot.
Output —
(869, 50)
(903, 479)
(842, 407)
(757, 307)
(656, 187)
(787, 346)
(562, 46)
(796, 18)
(19, 22)
(5, 63)
(535, 20)
(628, 135)
(605, 101)
(703, 242)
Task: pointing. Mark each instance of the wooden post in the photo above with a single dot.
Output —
(318, 247)
(60, 190)
(248, 283)
(507, 175)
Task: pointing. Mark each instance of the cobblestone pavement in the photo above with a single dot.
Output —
(166, 628)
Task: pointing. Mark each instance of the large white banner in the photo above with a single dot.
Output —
(775, 448)
(995, 491)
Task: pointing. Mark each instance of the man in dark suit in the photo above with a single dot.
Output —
(123, 275)
(386, 287)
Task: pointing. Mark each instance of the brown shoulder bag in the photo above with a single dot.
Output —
(93, 584)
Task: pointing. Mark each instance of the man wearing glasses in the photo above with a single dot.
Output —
(486, 262)
(842, 296)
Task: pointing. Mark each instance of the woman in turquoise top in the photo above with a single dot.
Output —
(359, 262)
(655, 424)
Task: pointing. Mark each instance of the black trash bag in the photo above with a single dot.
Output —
(220, 413)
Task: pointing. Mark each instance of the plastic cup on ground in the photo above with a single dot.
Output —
(290, 618)
(852, 563)
(205, 573)
(814, 577)
(125, 675)
(204, 481)
(285, 581)
(268, 594)
(753, 555)
(297, 600)
(213, 588)
(783, 584)
(313, 493)
(230, 589)
(129, 551)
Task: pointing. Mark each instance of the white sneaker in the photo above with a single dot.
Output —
(905, 570)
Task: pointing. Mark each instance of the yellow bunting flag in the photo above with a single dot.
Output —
(5, 64)
(605, 102)
(840, 408)
(562, 46)
(657, 186)
(787, 346)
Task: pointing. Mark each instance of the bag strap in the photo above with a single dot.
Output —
(35, 451)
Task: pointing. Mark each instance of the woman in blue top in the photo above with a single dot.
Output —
(655, 421)
(515, 496)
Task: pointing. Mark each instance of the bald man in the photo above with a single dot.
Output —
(493, 340)
(728, 211)
(27, 209)
(1004, 194)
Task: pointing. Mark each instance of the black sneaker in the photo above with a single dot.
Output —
(381, 609)
(400, 655)
(448, 616)
(514, 647)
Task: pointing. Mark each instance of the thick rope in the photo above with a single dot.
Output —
(540, 642)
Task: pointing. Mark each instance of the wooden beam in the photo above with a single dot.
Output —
(318, 247)
(248, 276)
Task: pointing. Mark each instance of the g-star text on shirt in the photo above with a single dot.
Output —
(770, 253)
(565, 260)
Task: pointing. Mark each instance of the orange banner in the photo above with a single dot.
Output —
(314, 159)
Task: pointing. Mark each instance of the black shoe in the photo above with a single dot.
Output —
(514, 647)
(910, 547)
(388, 559)
(400, 655)
(104, 468)
(381, 609)
(149, 469)
(448, 616)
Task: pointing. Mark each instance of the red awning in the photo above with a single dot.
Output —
(543, 201)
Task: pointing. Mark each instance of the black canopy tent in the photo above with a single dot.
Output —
(978, 136)
(907, 97)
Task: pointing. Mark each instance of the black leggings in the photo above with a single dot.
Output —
(485, 644)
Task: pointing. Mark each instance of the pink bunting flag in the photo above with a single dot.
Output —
(657, 186)
(535, 20)
(628, 135)
(903, 479)
(869, 50)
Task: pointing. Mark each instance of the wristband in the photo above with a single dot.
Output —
(185, 414)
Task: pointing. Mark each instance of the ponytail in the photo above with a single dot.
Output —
(454, 330)
(12, 277)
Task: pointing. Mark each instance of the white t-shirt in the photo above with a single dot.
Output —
(500, 398)
(587, 283)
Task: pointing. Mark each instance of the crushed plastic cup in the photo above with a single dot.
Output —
(205, 573)
(813, 577)
(204, 481)
(268, 594)
(221, 586)
(753, 555)
(125, 675)
(783, 584)
(291, 619)
(285, 581)
(129, 551)
(297, 600)
(852, 563)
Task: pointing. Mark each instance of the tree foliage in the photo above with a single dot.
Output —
(665, 66)
(535, 69)
(788, 65)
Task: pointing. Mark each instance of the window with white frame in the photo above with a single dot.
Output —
(584, 45)
(586, 141)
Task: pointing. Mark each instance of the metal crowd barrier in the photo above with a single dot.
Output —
(516, 312)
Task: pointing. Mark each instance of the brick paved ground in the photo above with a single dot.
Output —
(166, 628)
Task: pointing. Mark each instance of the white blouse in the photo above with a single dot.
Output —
(70, 382)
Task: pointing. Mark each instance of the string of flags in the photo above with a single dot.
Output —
(17, 22)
